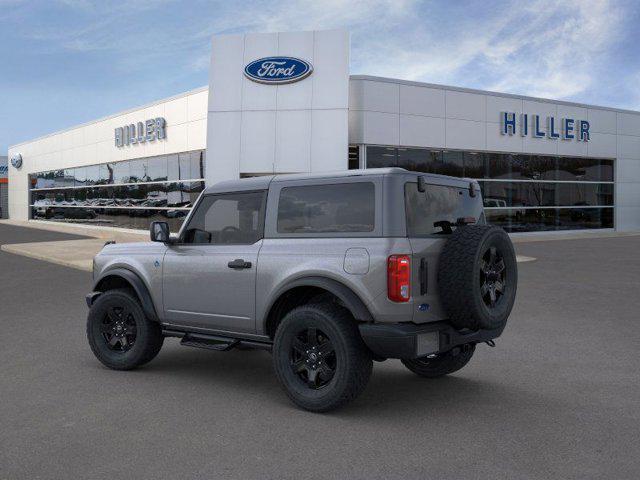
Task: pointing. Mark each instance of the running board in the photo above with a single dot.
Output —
(210, 342)
(214, 342)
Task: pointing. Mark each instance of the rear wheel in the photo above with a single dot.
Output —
(443, 364)
(319, 357)
(119, 333)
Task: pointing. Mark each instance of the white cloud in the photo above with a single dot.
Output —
(545, 49)
(540, 48)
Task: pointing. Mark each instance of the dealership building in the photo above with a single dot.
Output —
(286, 102)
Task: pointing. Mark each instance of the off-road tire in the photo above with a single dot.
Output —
(148, 336)
(460, 272)
(353, 362)
(443, 364)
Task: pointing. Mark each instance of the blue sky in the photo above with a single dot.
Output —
(70, 61)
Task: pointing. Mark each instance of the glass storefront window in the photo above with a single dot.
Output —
(537, 192)
(507, 194)
(499, 165)
(533, 167)
(585, 169)
(380, 157)
(129, 193)
(120, 172)
(475, 165)
(138, 170)
(157, 169)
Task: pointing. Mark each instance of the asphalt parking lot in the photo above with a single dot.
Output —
(559, 397)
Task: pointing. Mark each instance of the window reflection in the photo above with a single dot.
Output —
(507, 194)
(139, 170)
(130, 193)
(537, 190)
(492, 165)
(120, 172)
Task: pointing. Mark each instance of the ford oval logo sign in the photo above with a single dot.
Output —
(278, 70)
(16, 160)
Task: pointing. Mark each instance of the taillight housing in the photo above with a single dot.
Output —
(399, 278)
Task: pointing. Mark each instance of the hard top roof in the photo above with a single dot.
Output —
(263, 182)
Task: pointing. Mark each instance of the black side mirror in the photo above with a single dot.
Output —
(159, 232)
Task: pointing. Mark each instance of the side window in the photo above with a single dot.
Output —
(343, 207)
(227, 219)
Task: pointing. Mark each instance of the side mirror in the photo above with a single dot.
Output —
(159, 232)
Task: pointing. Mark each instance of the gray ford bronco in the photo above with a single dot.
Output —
(326, 271)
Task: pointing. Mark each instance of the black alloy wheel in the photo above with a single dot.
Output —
(119, 333)
(119, 328)
(319, 356)
(313, 358)
(492, 277)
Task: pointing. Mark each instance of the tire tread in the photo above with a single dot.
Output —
(359, 362)
(153, 335)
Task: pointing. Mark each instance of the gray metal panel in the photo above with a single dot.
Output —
(241, 185)
(339, 174)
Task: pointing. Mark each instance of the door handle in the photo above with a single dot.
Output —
(239, 263)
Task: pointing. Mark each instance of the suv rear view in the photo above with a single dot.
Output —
(329, 272)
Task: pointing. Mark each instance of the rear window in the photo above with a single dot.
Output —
(344, 207)
(438, 203)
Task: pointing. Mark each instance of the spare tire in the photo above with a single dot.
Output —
(478, 277)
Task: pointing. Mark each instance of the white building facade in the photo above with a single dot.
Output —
(285, 102)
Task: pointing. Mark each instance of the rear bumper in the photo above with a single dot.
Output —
(408, 340)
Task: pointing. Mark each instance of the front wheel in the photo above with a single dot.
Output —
(442, 364)
(320, 358)
(119, 333)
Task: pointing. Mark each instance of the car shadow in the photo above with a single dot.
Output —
(393, 392)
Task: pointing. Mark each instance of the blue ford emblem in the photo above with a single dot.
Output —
(16, 160)
(277, 70)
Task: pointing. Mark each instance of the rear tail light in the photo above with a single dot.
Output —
(399, 278)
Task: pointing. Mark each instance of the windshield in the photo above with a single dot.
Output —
(438, 203)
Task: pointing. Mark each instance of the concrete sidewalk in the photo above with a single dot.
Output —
(69, 253)
(105, 233)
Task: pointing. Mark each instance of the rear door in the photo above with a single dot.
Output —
(438, 203)
(209, 278)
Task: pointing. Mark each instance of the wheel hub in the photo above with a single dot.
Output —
(119, 329)
(313, 358)
(492, 277)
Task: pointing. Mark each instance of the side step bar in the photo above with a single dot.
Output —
(214, 342)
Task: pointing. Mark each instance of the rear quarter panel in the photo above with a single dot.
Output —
(284, 260)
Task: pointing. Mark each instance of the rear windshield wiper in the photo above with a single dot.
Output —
(447, 225)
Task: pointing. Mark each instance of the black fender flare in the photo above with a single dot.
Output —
(350, 299)
(138, 286)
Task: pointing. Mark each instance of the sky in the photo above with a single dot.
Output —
(66, 62)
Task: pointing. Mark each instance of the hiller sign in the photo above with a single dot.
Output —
(147, 131)
(525, 124)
